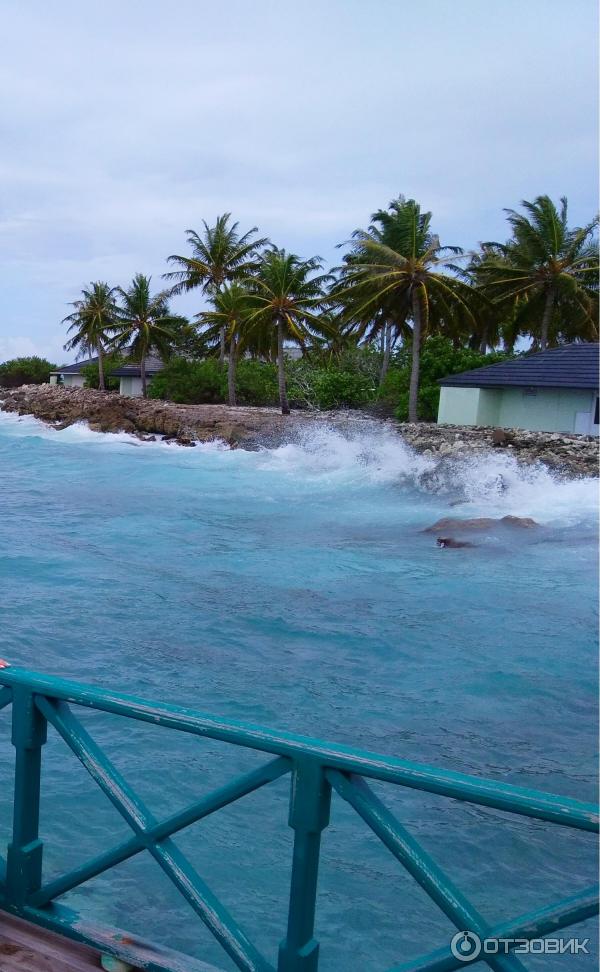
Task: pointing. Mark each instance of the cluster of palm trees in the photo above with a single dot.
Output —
(117, 318)
(396, 283)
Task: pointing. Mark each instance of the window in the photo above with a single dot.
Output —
(596, 416)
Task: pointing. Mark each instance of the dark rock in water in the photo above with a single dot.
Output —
(452, 544)
(481, 523)
(524, 522)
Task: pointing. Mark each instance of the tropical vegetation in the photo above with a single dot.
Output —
(92, 323)
(547, 273)
(398, 274)
(402, 309)
(25, 371)
(220, 255)
(144, 323)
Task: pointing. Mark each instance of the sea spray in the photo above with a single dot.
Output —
(368, 454)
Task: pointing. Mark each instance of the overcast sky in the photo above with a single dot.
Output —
(124, 122)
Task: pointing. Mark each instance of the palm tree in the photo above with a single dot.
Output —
(145, 323)
(544, 270)
(231, 311)
(397, 268)
(219, 256)
(287, 295)
(92, 321)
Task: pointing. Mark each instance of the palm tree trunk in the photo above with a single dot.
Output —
(143, 376)
(387, 349)
(101, 383)
(546, 318)
(231, 370)
(413, 394)
(222, 346)
(283, 400)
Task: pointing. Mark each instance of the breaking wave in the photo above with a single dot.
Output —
(493, 483)
(367, 455)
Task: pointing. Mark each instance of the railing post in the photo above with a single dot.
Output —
(309, 815)
(24, 855)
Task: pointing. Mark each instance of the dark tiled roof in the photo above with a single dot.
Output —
(74, 369)
(570, 366)
(133, 370)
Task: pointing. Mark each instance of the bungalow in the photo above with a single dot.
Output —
(131, 377)
(70, 375)
(550, 391)
(130, 380)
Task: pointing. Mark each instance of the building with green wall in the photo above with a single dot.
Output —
(550, 391)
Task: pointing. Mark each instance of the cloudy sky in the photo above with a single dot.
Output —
(126, 121)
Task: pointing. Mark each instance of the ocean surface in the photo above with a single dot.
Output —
(294, 588)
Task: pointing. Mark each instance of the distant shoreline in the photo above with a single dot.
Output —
(249, 427)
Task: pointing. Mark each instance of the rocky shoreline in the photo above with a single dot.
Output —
(569, 455)
(245, 427)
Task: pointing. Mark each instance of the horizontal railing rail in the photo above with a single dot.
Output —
(317, 769)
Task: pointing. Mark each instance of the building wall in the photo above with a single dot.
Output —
(538, 409)
(131, 386)
(458, 406)
(70, 380)
(490, 401)
(543, 410)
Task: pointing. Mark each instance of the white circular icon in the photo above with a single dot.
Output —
(465, 946)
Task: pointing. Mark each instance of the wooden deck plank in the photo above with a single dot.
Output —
(38, 945)
(28, 948)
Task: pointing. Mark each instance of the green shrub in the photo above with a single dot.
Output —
(256, 383)
(205, 382)
(190, 382)
(92, 377)
(349, 381)
(25, 371)
(310, 386)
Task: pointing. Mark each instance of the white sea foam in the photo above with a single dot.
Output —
(373, 455)
(79, 433)
(491, 484)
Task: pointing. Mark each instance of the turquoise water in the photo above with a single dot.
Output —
(293, 587)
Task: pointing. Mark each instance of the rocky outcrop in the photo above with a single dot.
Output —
(481, 523)
(186, 424)
(570, 455)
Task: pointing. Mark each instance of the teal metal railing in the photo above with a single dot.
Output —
(317, 769)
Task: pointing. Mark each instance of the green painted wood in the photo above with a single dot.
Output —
(24, 854)
(315, 766)
(460, 786)
(212, 802)
(179, 871)
(418, 863)
(534, 924)
(309, 815)
(141, 954)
